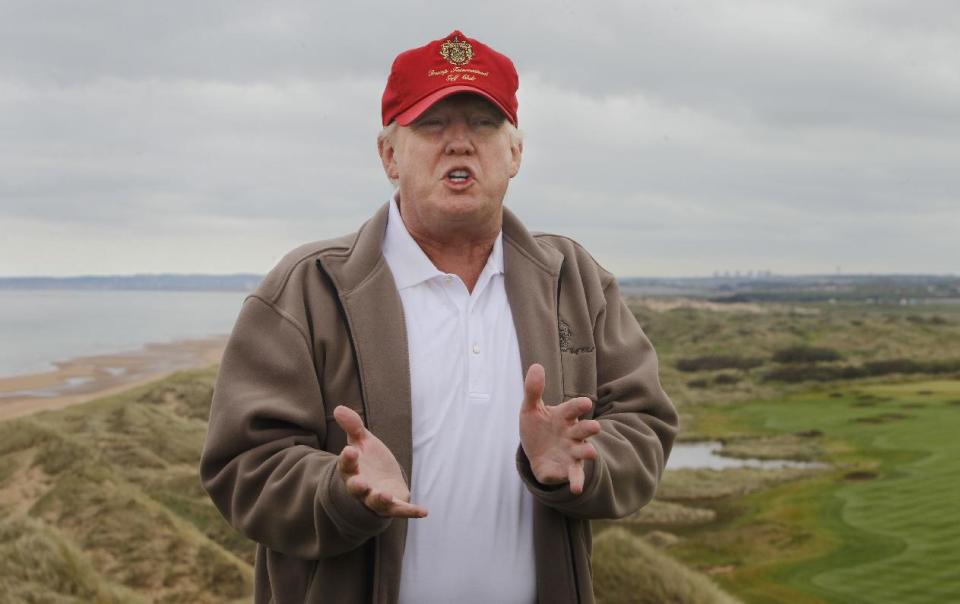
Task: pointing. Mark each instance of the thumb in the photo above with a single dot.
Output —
(350, 422)
(533, 387)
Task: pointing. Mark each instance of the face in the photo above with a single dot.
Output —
(453, 165)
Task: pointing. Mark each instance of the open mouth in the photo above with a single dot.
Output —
(459, 177)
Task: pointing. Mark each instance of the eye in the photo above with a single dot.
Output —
(485, 121)
(430, 122)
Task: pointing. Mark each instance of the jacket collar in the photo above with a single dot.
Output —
(408, 263)
(544, 258)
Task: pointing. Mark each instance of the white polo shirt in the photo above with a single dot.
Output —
(466, 378)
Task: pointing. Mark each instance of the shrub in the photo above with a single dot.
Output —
(815, 373)
(824, 373)
(910, 366)
(927, 320)
(726, 378)
(718, 361)
(806, 354)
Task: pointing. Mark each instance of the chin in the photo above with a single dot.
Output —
(468, 209)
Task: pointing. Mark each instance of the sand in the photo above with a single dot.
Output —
(86, 378)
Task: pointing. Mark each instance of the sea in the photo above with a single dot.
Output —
(39, 327)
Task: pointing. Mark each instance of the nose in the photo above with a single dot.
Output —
(458, 138)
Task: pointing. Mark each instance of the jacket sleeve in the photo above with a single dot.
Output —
(638, 423)
(262, 464)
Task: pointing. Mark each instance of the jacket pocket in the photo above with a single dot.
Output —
(579, 373)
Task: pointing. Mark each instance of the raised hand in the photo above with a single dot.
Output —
(370, 470)
(553, 437)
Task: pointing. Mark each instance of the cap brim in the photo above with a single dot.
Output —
(407, 116)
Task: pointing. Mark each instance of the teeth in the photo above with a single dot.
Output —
(459, 174)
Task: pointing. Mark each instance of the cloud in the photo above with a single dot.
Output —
(669, 137)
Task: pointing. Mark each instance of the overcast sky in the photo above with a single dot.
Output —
(670, 138)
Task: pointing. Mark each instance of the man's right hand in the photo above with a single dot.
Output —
(370, 470)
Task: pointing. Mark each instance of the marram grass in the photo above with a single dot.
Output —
(627, 569)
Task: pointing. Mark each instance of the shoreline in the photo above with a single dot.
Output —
(85, 378)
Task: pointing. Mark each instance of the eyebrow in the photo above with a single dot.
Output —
(487, 111)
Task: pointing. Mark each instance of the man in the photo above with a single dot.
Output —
(431, 409)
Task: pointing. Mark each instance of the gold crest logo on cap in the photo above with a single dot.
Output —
(456, 51)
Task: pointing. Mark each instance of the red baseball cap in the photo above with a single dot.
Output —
(422, 76)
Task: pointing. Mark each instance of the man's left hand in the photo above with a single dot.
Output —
(553, 437)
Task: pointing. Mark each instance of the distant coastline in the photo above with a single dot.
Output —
(85, 378)
(760, 286)
(238, 282)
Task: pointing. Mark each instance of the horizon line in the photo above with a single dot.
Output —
(765, 275)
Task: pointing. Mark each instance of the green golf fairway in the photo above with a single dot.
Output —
(893, 513)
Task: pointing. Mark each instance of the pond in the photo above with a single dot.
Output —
(707, 455)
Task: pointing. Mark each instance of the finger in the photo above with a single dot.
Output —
(350, 422)
(349, 460)
(358, 487)
(575, 476)
(378, 501)
(533, 387)
(583, 451)
(575, 407)
(387, 505)
(403, 509)
(584, 429)
(383, 501)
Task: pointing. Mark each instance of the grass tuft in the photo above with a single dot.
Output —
(625, 569)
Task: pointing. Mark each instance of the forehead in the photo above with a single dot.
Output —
(464, 101)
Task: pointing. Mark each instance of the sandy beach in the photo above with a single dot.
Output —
(86, 378)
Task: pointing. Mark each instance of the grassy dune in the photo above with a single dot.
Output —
(101, 502)
(38, 565)
(628, 569)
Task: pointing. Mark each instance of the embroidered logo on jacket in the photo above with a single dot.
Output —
(566, 343)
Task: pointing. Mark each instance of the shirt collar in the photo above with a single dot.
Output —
(407, 260)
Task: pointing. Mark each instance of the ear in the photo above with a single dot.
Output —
(516, 152)
(388, 158)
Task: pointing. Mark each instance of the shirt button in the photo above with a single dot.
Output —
(476, 349)
(449, 278)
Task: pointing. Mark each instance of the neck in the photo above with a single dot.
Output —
(458, 249)
(460, 245)
(464, 258)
